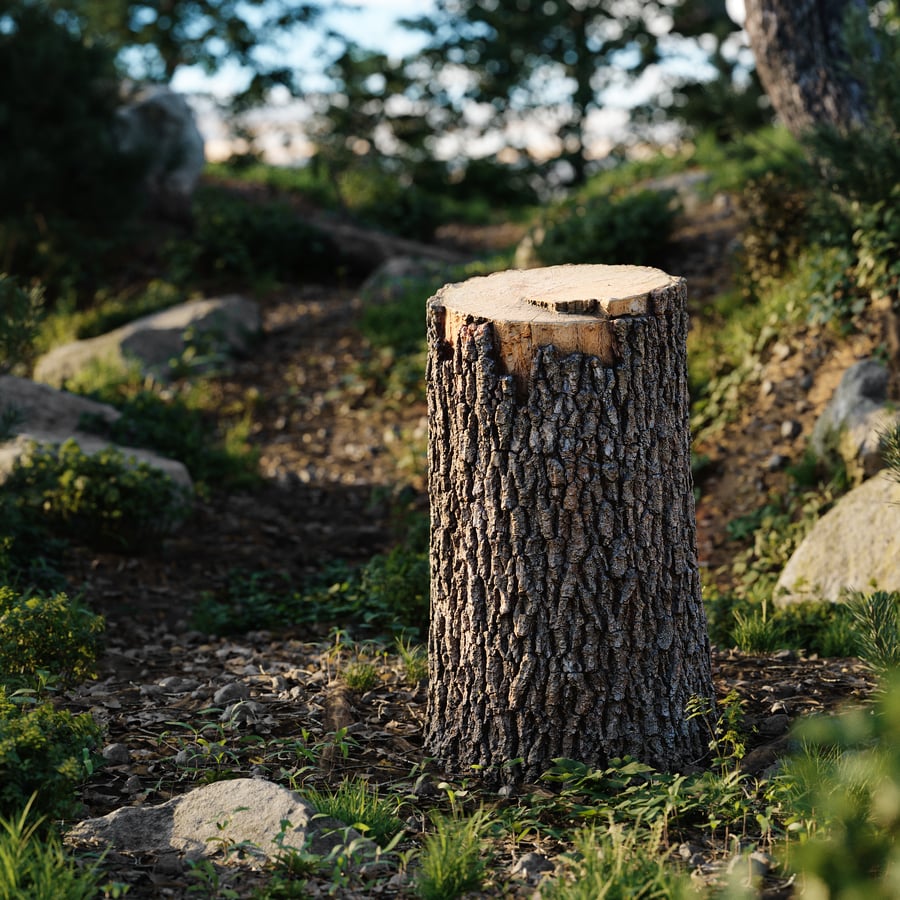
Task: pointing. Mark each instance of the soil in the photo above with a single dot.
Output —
(328, 455)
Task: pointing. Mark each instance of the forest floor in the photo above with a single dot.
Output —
(329, 457)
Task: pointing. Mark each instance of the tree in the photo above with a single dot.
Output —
(802, 61)
(566, 617)
(155, 38)
(517, 57)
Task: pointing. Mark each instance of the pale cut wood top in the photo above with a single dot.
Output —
(570, 307)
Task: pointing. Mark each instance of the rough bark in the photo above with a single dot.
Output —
(801, 60)
(566, 617)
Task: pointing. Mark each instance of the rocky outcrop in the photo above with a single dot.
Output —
(257, 815)
(855, 418)
(855, 546)
(210, 328)
(45, 415)
(158, 125)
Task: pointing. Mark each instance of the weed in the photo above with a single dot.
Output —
(452, 860)
(618, 863)
(361, 676)
(357, 804)
(415, 660)
(34, 864)
(876, 621)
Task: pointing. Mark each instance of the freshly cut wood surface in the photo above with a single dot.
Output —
(571, 307)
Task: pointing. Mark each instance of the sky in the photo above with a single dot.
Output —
(372, 24)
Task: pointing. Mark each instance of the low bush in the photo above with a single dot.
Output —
(53, 633)
(631, 229)
(103, 500)
(44, 753)
(18, 325)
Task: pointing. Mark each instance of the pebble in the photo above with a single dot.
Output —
(133, 785)
(781, 351)
(776, 461)
(116, 754)
(790, 428)
(773, 726)
(530, 867)
(766, 388)
(237, 690)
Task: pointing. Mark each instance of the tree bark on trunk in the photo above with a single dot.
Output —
(801, 61)
(566, 617)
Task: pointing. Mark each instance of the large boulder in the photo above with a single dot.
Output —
(262, 817)
(222, 325)
(159, 125)
(854, 546)
(855, 419)
(42, 414)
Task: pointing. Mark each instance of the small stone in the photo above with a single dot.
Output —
(806, 382)
(766, 388)
(116, 754)
(774, 726)
(790, 428)
(242, 712)
(755, 865)
(776, 461)
(530, 867)
(133, 785)
(237, 690)
(785, 655)
(781, 351)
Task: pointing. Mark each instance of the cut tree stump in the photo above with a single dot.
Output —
(566, 616)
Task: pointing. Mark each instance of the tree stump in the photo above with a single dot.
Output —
(566, 616)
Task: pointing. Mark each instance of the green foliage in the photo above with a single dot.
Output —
(357, 803)
(415, 660)
(890, 450)
(235, 240)
(178, 428)
(631, 229)
(102, 500)
(842, 791)
(19, 322)
(65, 188)
(361, 676)
(618, 863)
(34, 865)
(876, 621)
(54, 633)
(452, 861)
(44, 752)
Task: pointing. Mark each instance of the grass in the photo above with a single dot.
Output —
(453, 859)
(357, 803)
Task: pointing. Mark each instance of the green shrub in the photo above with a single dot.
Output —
(630, 229)
(18, 325)
(174, 428)
(102, 500)
(357, 803)
(876, 622)
(236, 240)
(65, 189)
(55, 633)
(44, 752)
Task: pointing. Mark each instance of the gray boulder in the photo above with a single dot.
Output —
(260, 816)
(855, 418)
(48, 416)
(159, 125)
(854, 546)
(216, 326)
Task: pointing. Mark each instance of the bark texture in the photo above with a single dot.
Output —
(801, 60)
(566, 617)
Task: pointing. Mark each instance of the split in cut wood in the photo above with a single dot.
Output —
(571, 307)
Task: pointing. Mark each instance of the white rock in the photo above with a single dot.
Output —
(153, 341)
(224, 813)
(854, 546)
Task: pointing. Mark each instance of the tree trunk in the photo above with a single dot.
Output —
(566, 618)
(801, 60)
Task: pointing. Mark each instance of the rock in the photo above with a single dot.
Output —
(530, 867)
(49, 416)
(158, 125)
(237, 690)
(853, 546)
(776, 461)
(199, 823)
(221, 325)
(855, 418)
(790, 428)
(116, 754)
